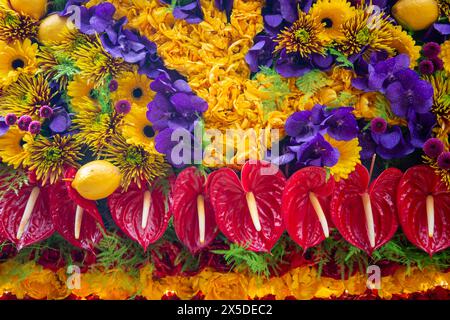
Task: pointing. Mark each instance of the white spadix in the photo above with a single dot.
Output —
(146, 208)
(28, 211)
(78, 221)
(369, 218)
(430, 216)
(201, 217)
(252, 207)
(320, 214)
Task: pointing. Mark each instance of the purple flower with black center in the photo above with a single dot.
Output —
(11, 119)
(431, 50)
(316, 152)
(409, 93)
(392, 144)
(300, 126)
(45, 112)
(378, 125)
(291, 65)
(60, 122)
(225, 5)
(113, 85)
(433, 147)
(426, 67)
(261, 54)
(34, 127)
(437, 63)
(4, 127)
(24, 122)
(444, 160)
(341, 124)
(421, 126)
(123, 107)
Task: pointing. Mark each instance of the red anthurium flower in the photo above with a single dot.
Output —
(76, 218)
(193, 214)
(424, 209)
(366, 216)
(25, 217)
(248, 211)
(306, 203)
(140, 213)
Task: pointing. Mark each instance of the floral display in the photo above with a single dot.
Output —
(226, 149)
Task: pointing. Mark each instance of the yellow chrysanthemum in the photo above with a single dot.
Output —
(16, 59)
(348, 157)
(12, 150)
(332, 13)
(16, 27)
(81, 91)
(445, 55)
(305, 36)
(402, 42)
(136, 128)
(134, 88)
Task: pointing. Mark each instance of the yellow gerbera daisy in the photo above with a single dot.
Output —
(402, 42)
(445, 55)
(136, 128)
(348, 157)
(12, 149)
(16, 59)
(134, 88)
(332, 13)
(80, 90)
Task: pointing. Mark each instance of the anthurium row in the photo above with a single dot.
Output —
(253, 209)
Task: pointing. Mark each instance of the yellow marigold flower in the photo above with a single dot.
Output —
(134, 88)
(348, 157)
(44, 284)
(445, 55)
(136, 128)
(302, 282)
(332, 14)
(12, 147)
(15, 59)
(222, 286)
(402, 42)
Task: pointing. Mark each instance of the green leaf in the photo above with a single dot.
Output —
(312, 82)
(11, 180)
(341, 58)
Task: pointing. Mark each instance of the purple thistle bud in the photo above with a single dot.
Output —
(444, 160)
(426, 67)
(433, 147)
(34, 127)
(437, 63)
(45, 112)
(123, 107)
(11, 119)
(431, 50)
(113, 86)
(378, 125)
(24, 122)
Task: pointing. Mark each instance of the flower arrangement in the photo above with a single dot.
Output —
(289, 143)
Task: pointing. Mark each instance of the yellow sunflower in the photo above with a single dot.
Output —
(81, 91)
(12, 149)
(445, 55)
(136, 128)
(332, 14)
(402, 42)
(134, 88)
(16, 59)
(348, 157)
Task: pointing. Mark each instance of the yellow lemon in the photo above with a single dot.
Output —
(416, 15)
(97, 180)
(33, 8)
(54, 28)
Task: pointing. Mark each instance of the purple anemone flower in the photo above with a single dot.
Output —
(391, 144)
(189, 11)
(103, 17)
(4, 127)
(367, 144)
(282, 13)
(342, 124)
(291, 65)
(300, 126)
(225, 5)
(421, 126)
(316, 152)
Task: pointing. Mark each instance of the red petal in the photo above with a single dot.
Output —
(189, 185)
(418, 183)
(228, 197)
(299, 215)
(63, 210)
(40, 225)
(347, 208)
(126, 210)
